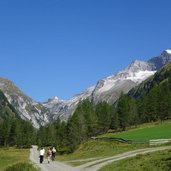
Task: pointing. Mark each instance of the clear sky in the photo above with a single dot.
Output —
(61, 47)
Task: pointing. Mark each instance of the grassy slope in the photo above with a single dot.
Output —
(99, 148)
(10, 156)
(147, 132)
(158, 161)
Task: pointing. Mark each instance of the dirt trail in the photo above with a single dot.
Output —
(90, 166)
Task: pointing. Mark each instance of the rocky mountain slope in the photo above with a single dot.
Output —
(107, 89)
(24, 105)
(7, 111)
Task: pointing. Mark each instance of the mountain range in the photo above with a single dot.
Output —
(107, 89)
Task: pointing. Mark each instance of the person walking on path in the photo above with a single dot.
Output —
(49, 154)
(53, 153)
(42, 152)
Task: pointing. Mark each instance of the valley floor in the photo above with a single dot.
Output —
(90, 166)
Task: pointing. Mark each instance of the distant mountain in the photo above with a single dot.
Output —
(107, 89)
(64, 108)
(110, 88)
(27, 109)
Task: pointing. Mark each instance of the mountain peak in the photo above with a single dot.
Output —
(53, 99)
(137, 65)
(168, 51)
(159, 61)
(5, 81)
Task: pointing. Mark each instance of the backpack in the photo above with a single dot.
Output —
(48, 152)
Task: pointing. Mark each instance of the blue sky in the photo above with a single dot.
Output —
(61, 47)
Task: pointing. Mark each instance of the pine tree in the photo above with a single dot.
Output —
(104, 113)
(114, 120)
(132, 111)
(123, 109)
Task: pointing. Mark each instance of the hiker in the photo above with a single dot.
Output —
(42, 152)
(53, 153)
(49, 154)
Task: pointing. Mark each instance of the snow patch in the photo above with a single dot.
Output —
(168, 51)
(140, 76)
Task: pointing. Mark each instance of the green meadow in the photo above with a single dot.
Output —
(145, 132)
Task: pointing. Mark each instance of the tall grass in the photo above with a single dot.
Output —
(11, 156)
(21, 167)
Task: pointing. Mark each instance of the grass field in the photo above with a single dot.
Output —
(145, 132)
(10, 156)
(158, 161)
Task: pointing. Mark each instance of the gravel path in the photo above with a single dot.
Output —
(45, 166)
(90, 166)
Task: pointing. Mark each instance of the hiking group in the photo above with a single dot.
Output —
(51, 153)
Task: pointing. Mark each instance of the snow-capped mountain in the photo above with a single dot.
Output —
(107, 89)
(110, 88)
